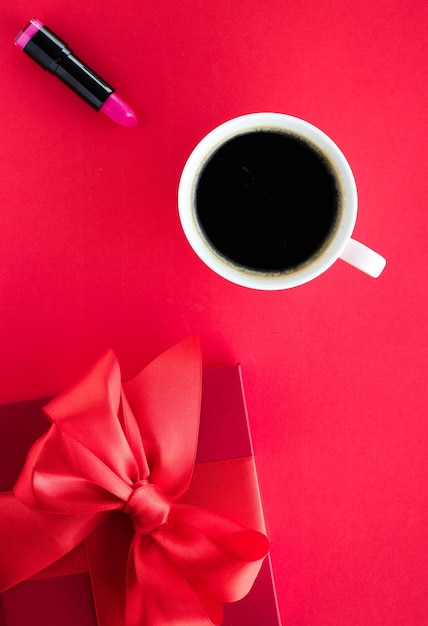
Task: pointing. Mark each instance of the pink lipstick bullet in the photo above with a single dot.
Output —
(54, 55)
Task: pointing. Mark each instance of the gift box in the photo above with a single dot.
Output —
(79, 587)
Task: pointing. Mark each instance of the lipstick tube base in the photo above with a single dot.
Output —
(24, 36)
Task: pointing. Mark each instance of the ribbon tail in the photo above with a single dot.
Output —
(107, 551)
(159, 595)
(31, 541)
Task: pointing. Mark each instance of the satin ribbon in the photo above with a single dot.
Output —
(131, 448)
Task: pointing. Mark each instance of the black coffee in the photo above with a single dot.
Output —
(267, 200)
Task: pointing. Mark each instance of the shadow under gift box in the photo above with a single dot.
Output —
(224, 480)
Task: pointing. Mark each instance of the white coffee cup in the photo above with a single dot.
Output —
(339, 245)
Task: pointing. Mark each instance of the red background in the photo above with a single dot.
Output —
(93, 256)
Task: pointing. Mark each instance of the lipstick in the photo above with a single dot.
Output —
(54, 55)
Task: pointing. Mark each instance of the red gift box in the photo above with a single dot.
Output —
(224, 480)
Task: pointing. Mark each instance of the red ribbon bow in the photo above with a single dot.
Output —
(130, 447)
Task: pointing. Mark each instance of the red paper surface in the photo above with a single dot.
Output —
(65, 588)
(92, 256)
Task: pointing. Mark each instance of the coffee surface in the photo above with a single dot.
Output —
(267, 201)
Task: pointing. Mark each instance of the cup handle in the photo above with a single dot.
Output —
(363, 258)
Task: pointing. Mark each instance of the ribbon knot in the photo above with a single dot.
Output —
(148, 507)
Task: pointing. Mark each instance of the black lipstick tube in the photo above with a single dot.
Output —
(54, 55)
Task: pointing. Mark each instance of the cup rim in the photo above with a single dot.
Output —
(235, 273)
